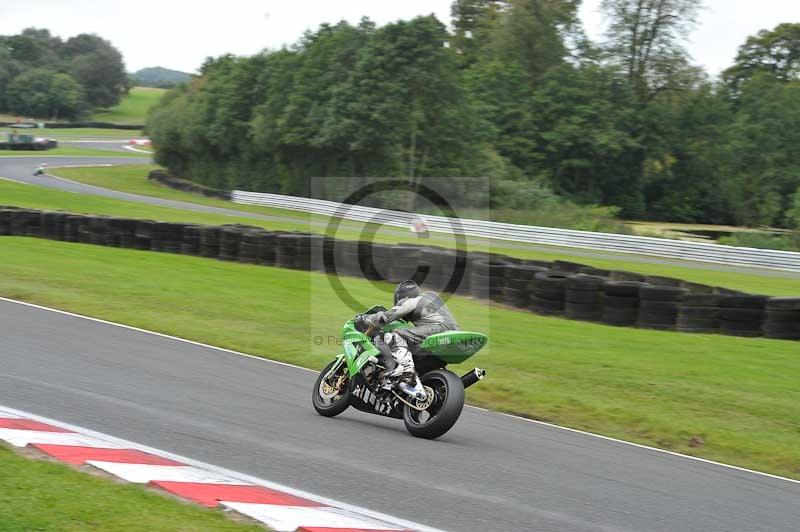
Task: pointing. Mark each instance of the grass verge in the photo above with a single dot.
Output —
(48, 496)
(730, 399)
(131, 178)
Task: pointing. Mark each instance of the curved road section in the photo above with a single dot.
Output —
(491, 472)
(20, 169)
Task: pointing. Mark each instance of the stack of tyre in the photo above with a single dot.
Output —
(285, 250)
(568, 267)
(250, 246)
(782, 318)
(458, 278)
(304, 243)
(346, 259)
(548, 291)
(405, 263)
(742, 315)
(229, 239)
(487, 278)
(209, 241)
(98, 230)
(445, 269)
(699, 313)
(268, 248)
(621, 302)
(192, 235)
(584, 297)
(53, 225)
(25, 222)
(167, 237)
(658, 306)
(316, 244)
(72, 224)
(380, 263)
(5, 221)
(519, 284)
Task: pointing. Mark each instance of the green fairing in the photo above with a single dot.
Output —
(452, 347)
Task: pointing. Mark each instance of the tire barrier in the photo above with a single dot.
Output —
(547, 297)
(159, 176)
(568, 267)
(584, 298)
(405, 262)
(742, 315)
(782, 318)
(561, 288)
(487, 277)
(519, 284)
(699, 313)
(621, 303)
(658, 306)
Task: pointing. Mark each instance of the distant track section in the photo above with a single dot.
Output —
(637, 245)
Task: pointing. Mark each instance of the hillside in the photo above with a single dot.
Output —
(160, 77)
(133, 108)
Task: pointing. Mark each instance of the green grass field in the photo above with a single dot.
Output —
(730, 399)
(133, 179)
(46, 496)
(133, 108)
(87, 133)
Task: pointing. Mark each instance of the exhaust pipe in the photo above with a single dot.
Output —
(472, 377)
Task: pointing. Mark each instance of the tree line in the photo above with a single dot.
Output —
(43, 76)
(514, 92)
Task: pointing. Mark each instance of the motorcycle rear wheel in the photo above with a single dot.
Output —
(324, 404)
(443, 412)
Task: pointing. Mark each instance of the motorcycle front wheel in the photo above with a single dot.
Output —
(444, 409)
(331, 394)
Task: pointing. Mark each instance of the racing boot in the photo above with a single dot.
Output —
(412, 386)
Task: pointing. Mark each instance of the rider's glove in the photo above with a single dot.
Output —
(376, 320)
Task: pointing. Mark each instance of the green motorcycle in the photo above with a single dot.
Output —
(358, 378)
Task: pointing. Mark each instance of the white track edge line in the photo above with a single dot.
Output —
(535, 421)
(131, 148)
(244, 477)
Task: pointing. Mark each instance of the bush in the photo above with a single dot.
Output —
(789, 242)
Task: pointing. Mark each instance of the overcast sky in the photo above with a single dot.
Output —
(181, 33)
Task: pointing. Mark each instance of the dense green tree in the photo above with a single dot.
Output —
(793, 214)
(88, 59)
(763, 165)
(646, 37)
(775, 53)
(473, 23)
(99, 67)
(40, 92)
(515, 96)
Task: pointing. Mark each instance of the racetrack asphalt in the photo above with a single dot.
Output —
(491, 472)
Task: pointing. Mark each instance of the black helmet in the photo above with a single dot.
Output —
(404, 290)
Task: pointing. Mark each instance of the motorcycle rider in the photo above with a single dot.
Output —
(41, 169)
(429, 315)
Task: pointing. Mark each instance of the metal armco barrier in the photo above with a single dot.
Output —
(639, 245)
